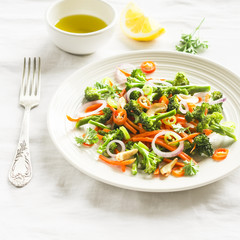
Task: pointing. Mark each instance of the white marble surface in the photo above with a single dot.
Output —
(62, 203)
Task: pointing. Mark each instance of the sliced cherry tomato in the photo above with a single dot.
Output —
(148, 67)
(220, 154)
(164, 99)
(144, 102)
(178, 172)
(120, 116)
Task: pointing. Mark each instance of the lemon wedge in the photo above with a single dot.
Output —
(137, 26)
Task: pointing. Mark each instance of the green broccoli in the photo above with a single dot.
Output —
(133, 109)
(180, 79)
(150, 160)
(100, 91)
(134, 82)
(138, 73)
(198, 112)
(97, 118)
(216, 95)
(212, 122)
(153, 122)
(173, 103)
(203, 145)
(215, 108)
(112, 135)
(135, 95)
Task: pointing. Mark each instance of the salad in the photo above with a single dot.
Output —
(153, 125)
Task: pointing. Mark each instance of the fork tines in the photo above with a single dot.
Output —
(31, 77)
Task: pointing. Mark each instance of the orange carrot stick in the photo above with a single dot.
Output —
(162, 143)
(129, 127)
(112, 162)
(177, 163)
(190, 136)
(100, 136)
(184, 135)
(93, 107)
(135, 126)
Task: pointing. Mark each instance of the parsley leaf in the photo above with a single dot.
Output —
(189, 44)
(190, 168)
(89, 138)
(179, 128)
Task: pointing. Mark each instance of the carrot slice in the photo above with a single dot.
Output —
(112, 162)
(122, 92)
(177, 163)
(135, 126)
(100, 136)
(129, 127)
(162, 143)
(125, 73)
(207, 131)
(184, 135)
(190, 136)
(93, 107)
(156, 172)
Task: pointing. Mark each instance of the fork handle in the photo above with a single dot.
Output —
(21, 171)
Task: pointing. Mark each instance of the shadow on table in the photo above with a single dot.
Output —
(152, 204)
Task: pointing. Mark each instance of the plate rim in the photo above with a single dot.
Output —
(114, 56)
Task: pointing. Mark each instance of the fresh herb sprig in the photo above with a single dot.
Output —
(89, 138)
(189, 44)
(190, 168)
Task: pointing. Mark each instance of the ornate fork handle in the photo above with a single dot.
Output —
(21, 171)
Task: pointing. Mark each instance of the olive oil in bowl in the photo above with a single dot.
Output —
(80, 24)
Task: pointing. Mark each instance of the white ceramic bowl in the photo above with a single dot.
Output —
(80, 43)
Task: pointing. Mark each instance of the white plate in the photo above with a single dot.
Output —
(69, 96)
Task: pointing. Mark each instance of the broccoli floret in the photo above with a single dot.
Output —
(134, 82)
(138, 73)
(212, 122)
(134, 109)
(135, 95)
(150, 159)
(173, 103)
(203, 146)
(129, 145)
(198, 113)
(215, 108)
(216, 95)
(99, 91)
(180, 79)
(112, 135)
(187, 147)
(153, 122)
(157, 93)
(97, 118)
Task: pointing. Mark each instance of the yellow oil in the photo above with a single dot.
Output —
(80, 23)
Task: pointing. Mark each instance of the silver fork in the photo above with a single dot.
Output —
(21, 170)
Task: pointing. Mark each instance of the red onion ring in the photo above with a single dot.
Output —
(167, 154)
(220, 100)
(121, 143)
(119, 76)
(152, 83)
(83, 107)
(181, 104)
(131, 90)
